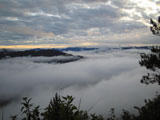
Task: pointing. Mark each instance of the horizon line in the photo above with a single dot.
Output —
(65, 46)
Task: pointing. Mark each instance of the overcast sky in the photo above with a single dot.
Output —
(63, 23)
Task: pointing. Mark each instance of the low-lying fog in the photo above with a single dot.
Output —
(106, 80)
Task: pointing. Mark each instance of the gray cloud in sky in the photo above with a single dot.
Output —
(65, 17)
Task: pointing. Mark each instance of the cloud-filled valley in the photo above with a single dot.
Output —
(114, 76)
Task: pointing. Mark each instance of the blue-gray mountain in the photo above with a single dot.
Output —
(4, 54)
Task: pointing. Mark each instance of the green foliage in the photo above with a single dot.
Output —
(30, 112)
(127, 116)
(112, 115)
(61, 108)
(95, 117)
(152, 62)
(150, 111)
(155, 28)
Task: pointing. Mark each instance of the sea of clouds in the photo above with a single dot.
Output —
(105, 79)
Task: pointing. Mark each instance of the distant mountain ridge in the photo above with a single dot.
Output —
(5, 53)
(77, 49)
(32, 52)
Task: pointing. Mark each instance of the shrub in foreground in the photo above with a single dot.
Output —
(61, 108)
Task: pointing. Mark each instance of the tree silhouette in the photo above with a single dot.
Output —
(155, 26)
(152, 60)
(59, 108)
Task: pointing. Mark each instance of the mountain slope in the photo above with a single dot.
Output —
(32, 53)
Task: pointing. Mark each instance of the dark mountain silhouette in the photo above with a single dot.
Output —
(5, 53)
(76, 49)
(135, 47)
(32, 53)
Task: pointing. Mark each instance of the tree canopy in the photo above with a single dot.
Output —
(152, 60)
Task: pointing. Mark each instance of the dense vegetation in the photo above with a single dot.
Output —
(152, 60)
(61, 108)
